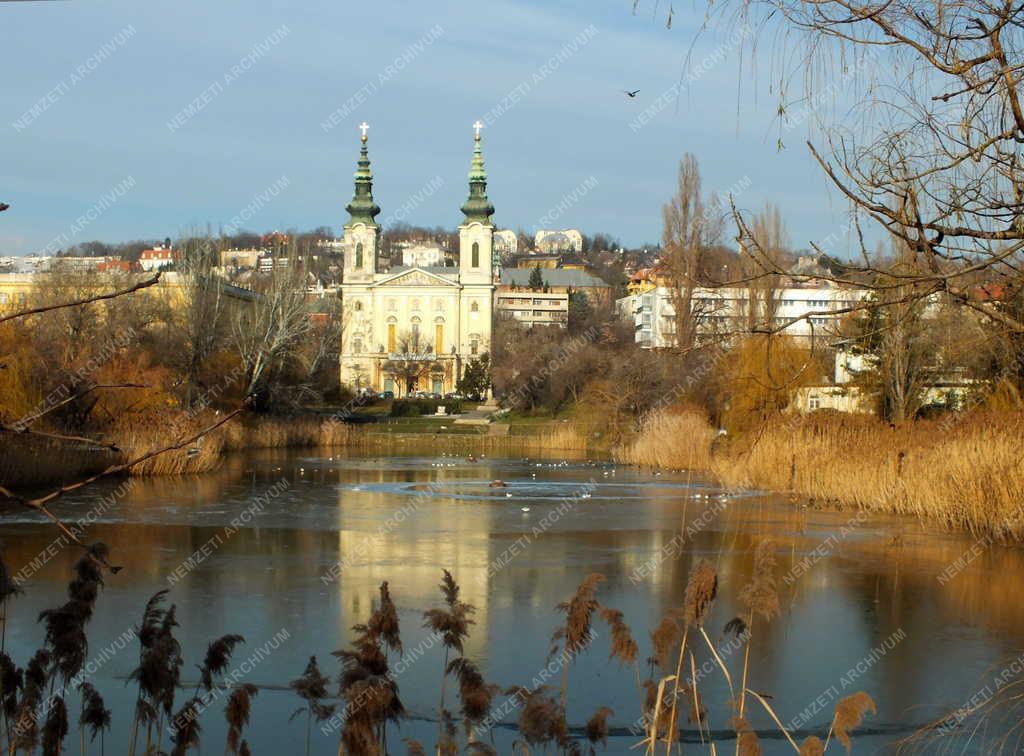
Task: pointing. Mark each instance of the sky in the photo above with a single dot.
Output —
(126, 120)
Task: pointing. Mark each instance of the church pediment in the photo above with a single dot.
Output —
(416, 277)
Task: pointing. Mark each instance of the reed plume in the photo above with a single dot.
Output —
(159, 669)
(36, 676)
(701, 589)
(747, 743)
(186, 727)
(849, 714)
(597, 728)
(474, 693)
(579, 612)
(384, 621)
(370, 692)
(477, 748)
(664, 637)
(65, 625)
(577, 632)
(413, 747)
(542, 719)
(94, 715)
(761, 596)
(55, 729)
(812, 746)
(218, 656)
(452, 624)
(237, 713)
(623, 646)
(11, 681)
(311, 687)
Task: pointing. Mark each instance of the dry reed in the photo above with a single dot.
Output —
(679, 440)
(962, 472)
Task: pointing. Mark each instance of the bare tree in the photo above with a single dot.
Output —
(689, 230)
(201, 310)
(414, 359)
(268, 333)
(929, 150)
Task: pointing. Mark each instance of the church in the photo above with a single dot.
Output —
(415, 328)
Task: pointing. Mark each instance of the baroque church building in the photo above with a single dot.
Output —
(415, 328)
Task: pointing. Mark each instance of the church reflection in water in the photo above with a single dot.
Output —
(516, 552)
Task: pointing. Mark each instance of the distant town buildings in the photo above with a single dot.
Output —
(802, 310)
(551, 241)
(158, 257)
(506, 243)
(423, 255)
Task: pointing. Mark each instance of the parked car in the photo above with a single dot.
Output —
(454, 395)
(386, 395)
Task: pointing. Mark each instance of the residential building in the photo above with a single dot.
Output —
(157, 257)
(440, 317)
(233, 259)
(566, 240)
(538, 261)
(804, 313)
(423, 256)
(569, 280)
(946, 386)
(532, 308)
(506, 244)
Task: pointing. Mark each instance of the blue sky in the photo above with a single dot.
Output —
(569, 127)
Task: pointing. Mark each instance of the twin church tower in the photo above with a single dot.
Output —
(415, 328)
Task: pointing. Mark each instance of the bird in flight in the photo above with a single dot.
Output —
(3, 207)
(634, 93)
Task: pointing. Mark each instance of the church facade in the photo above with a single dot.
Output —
(415, 328)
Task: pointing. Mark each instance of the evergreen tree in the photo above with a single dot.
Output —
(536, 279)
(476, 379)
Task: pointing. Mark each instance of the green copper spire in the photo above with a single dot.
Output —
(362, 208)
(477, 207)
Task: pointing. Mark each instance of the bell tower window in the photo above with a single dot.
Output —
(359, 255)
(476, 255)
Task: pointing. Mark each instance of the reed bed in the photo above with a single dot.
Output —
(27, 462)
(677, 439)
(964, 473)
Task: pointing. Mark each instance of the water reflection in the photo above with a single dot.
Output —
(312, 560)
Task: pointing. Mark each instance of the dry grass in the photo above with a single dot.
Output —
(676, 439)
(27, 462)
(248, 433)
(965, 474)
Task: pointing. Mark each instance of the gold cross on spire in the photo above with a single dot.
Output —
(364, 127)
(478, 126)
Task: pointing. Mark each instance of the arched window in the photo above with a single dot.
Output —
(392, 328)
(415, 328)
(358, 306)
(439, 335)
(357, 345)
(359, 255)
(474, 343)
(476, 255)
(474, 307)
